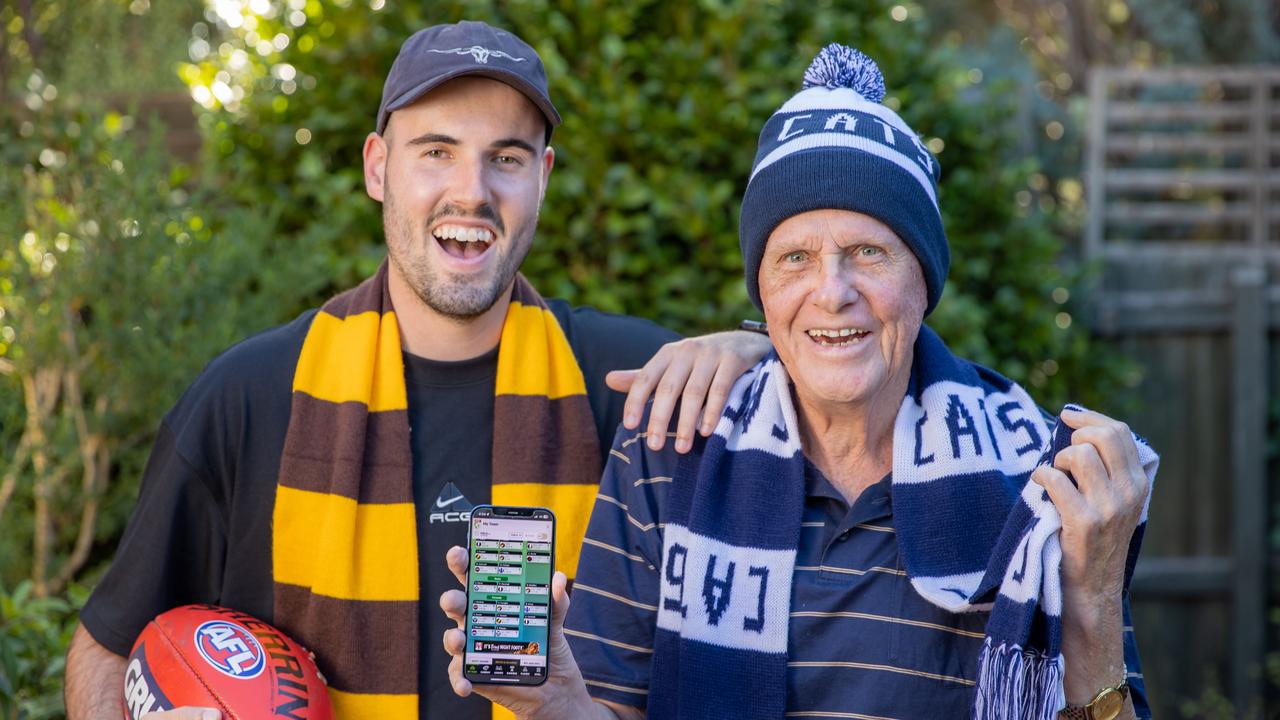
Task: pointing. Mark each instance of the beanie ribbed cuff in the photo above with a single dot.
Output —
(827, 179)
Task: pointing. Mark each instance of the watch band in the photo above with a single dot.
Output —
(754, 326)
(1103, 706)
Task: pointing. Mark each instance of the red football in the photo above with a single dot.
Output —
(209, 656)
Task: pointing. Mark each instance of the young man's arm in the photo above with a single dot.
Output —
(95, 684)
(95, 679)
(606, 710)
(163, 561)
(626, 361)
(174, 549)
(695, 374)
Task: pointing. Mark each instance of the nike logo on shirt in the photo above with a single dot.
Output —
(451, 506)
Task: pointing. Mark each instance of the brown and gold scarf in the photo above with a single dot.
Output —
(344, 541)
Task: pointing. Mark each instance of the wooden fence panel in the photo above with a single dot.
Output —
(1191, 444)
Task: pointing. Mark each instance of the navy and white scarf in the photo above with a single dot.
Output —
(973, 533)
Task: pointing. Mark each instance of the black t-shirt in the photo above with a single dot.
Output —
(201, 530)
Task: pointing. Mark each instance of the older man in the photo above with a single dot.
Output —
(858, 538)
(309, 473)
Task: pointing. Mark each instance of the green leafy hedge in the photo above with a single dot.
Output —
(34, 633)
(662, 103)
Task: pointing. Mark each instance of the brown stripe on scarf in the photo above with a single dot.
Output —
(347, 664)
(331, 460)
(344, 537)
(575, 459)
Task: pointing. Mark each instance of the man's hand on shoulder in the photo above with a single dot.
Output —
(697, 372)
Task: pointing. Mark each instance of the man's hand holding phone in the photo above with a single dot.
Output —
(563, 695)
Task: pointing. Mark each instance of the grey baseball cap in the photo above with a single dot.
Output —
(440, 53)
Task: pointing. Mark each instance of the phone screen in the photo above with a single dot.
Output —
(509, 594)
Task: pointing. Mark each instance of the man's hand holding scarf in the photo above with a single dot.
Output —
(1100, 511)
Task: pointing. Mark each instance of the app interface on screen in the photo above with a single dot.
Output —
(509, 600)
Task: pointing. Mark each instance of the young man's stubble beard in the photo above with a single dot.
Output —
(451, 295)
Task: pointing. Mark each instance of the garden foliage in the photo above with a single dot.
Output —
(34, 632)
(121, 275)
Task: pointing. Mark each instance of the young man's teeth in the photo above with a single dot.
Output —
(464, 234)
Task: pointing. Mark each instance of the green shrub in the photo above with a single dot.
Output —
(120, 277)
(34, 633)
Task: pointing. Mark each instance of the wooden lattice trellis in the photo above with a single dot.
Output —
(1183, 181)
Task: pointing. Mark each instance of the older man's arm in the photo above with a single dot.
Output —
(616, 594)
(1099, 517)
(1093, 645)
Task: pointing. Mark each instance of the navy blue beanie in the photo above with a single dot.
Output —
(834, 146)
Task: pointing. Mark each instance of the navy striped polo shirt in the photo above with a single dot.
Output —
(861, 642)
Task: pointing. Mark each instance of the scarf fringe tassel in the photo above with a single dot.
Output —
(1018, 684)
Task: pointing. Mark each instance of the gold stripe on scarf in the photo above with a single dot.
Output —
(370, 373)
(368, 705)
(545, 365)
(314, 546)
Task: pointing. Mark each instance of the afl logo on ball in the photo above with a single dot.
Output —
(230, 649)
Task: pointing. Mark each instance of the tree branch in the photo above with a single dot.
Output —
(40, 393)
(95, 469)
(16, 463)
(43, 541)
(95, 457)
(35, 43)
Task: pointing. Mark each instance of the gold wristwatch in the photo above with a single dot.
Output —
(1106, 705)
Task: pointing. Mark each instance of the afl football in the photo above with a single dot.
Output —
(209, 656)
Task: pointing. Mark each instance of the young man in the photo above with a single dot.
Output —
(313, 475)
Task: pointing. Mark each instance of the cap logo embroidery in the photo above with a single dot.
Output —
(481, 54)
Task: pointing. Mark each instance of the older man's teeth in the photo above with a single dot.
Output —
(837, 337)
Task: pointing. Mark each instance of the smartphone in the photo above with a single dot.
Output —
(512, 559)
